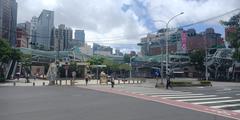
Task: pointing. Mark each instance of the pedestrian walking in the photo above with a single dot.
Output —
(27, 77)
(86, 79)
(168, 82)
(112, 82)
(18, 75)
(73, 77)
(156, 75)
(35, 77)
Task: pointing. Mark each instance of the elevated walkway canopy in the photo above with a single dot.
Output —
(162, 58)
(52, 55)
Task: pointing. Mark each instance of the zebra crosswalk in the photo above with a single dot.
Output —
(211, 100)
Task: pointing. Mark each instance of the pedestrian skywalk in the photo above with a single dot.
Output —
(211, 100)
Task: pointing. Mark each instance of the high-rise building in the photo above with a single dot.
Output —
(118, 52)
(102, 50)
(86, 49)
(62, 37)
(22, 38)
(180, 41)
(204, 40)
(80, 35)
(74, 43)
(44, 29)
(33, 32)
(23, 34)
(8, 20)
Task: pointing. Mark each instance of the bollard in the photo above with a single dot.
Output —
(14, 83)
(60, 82)
(43, 83)
(118, 81)
(128, 81)
(133, 81)
(33, 83)
(124, 81)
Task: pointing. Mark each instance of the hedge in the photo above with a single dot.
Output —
(206, 83)
(190, 83)
(181, 83)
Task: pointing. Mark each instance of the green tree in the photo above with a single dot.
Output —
(126, 58)
(124, 67)
(6, 54)
(5, 51)
(197, 60)
(26, 61)
(73, 66)
(96, 60)
(124, 70)
(16, 54)
(112, 66)
(233, 37)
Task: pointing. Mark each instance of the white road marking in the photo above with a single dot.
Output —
(199, 99)
(221, 101)
(167, 93)
(236, 111)
(179, 97)
(225, 89)
(224, 106)
(175, 95)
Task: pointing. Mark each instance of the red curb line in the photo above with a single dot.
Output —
(200, 108)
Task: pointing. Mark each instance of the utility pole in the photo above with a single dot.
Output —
(206, 56)
(130, 72)
(167, 38)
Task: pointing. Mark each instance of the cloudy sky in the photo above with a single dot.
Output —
(121, 23)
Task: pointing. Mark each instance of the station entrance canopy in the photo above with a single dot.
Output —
(162, 58)
(50, 56)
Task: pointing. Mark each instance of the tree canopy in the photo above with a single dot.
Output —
(233, 36)
(96, 60)
(197, 59)
(7, 53)
(126, 58)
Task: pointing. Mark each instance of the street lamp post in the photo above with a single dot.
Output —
(206, 57)
(167, 38)
(161, 49)
(74, 54)
(130, 73)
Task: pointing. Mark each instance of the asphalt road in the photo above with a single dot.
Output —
(222, 91)
(70, 103)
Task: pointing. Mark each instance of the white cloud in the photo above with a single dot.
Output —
(194, 10)
(105, 22)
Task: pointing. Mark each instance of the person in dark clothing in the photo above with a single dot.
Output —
(86, 79)
(112, 82)
(168, 82)
(18, 75)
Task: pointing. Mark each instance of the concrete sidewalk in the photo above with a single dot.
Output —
(79, 82)
(150, 83)
(222, 84)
